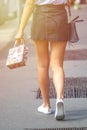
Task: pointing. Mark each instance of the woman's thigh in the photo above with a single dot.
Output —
(57, 54)
(42, 53)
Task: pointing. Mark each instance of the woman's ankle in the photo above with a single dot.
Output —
(60, 97)
(47, 105)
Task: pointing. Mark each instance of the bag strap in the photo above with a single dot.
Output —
(70, 14)
(69, 10)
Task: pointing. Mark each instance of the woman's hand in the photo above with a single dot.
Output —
(20, 40)
(18, 37)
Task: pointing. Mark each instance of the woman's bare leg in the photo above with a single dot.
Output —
(57, 58)
(42, 53)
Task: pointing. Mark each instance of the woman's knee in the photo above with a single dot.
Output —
(56, 67)
(43, 67)
(56, 64)
(57, 56)
(42, 54)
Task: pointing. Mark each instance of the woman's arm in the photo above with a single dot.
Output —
(28, 8)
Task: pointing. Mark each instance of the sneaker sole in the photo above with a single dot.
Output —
(60, 111)
(46, 113)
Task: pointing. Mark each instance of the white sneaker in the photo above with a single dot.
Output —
(44, 110)
(59, 113)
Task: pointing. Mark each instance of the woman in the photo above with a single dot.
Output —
(49, 26)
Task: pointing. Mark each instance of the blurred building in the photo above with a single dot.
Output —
(3, 11)
(10, 9)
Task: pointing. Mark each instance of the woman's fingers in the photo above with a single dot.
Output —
(18, 37)
(18, 42)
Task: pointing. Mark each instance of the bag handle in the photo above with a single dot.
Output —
(70, 14)
(69, 10)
